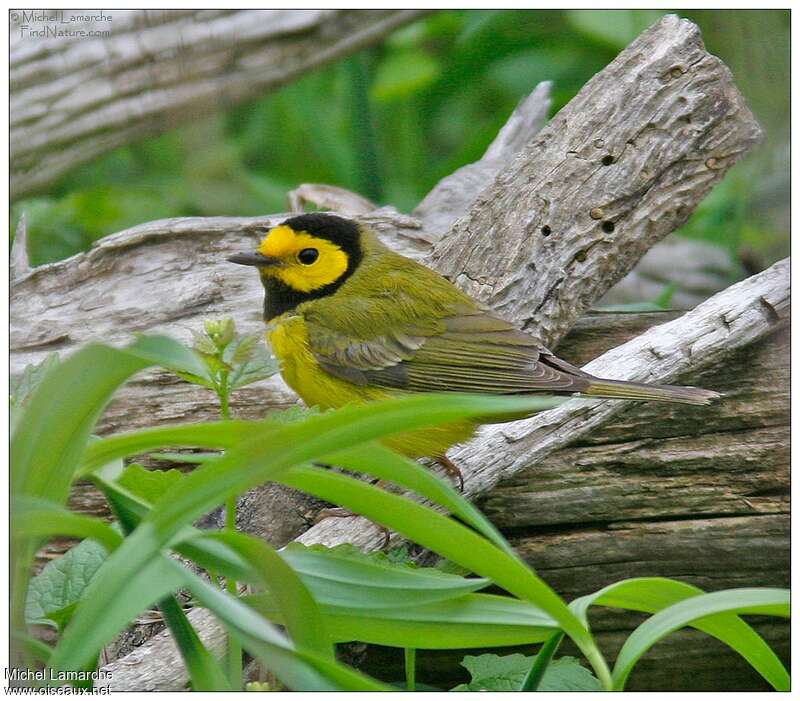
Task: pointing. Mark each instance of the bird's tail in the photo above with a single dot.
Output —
(619, 389)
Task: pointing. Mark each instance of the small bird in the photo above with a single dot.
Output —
(352, 321)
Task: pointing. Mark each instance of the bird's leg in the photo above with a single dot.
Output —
(451, 469)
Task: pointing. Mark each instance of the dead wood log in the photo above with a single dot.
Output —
(76, 98)
(616, 170)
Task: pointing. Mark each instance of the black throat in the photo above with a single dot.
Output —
(279, 297)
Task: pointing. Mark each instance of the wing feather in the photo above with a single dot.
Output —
(470, 351)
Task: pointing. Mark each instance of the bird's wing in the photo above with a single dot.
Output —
(468, 351)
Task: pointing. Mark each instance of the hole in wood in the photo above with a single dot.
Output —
(607, 160)
(607, 226)
(546, 231)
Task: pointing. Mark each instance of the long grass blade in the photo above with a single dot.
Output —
(765, 601)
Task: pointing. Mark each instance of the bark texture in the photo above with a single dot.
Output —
(74, 99)
(672, 122)
(620, 167)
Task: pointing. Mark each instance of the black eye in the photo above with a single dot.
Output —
(308, 255)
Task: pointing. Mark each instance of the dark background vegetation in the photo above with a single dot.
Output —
(390, 121)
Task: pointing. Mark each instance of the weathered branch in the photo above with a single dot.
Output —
(73, 99)
(616, 170)
(732, 319)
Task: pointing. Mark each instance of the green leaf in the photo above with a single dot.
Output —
(474, 620)
(65, 407)
(301, 614)
(766, 601)
(533, 679)
(505, 673)
(62, 582)
(378, 461)
(23, 385)
(652, 594)
(147, 585)
(37, 649)
(248, 359)
(37, 518)
(149, 485)
(346, 577)
(242, 349)
(300, 670)
(204, 671)
(203, 345)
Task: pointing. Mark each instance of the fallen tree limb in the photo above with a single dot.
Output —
(616, 170)
(74, 99)
(732, 319)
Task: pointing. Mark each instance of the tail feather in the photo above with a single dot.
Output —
(619, 389)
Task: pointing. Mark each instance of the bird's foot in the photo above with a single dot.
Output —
(339, 512)
(451, 469)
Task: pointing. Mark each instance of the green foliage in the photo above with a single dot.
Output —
(22, 385)
(319, 596)
(228, 361)
(148, 485)
(55, 591)
(491, 672)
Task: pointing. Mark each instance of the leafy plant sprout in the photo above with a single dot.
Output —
(231, 362)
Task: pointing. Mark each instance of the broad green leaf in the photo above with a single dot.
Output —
(381, 462)
(62, 582)
(344, 576)
(23, 385)
(149, 485)
(652, 594)
(205, 673)
(535, 676)
(300, 670)
(38, 518)
(214, 434)
(492, 672)
(146, 586)
(451, 540)
(700, 608)
(473, 620)
(300, 612)
(251, 361)
(65, 406)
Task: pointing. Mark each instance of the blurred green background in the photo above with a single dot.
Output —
(392, 120)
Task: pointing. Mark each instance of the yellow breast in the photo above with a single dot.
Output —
(289, 340)
(288, 337)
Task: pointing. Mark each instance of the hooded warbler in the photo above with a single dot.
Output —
(352, 321)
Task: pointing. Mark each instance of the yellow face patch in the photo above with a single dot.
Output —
(286, 245)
